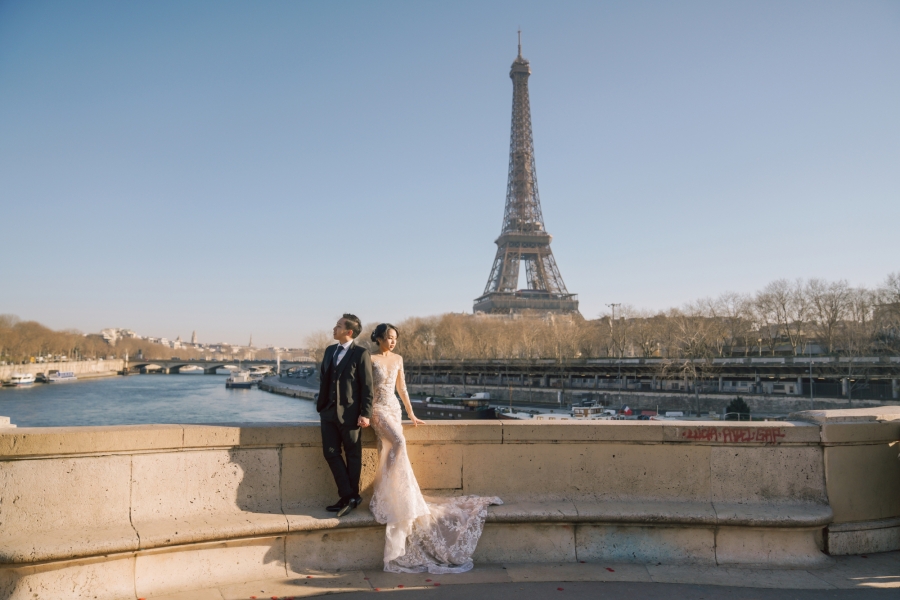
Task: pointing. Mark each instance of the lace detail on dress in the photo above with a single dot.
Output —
(437, 535)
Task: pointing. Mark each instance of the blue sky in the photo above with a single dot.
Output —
(261, 167)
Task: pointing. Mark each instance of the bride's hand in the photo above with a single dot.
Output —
(417, 421)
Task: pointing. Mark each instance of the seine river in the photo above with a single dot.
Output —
(140, 399)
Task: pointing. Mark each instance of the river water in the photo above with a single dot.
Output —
(142, 399)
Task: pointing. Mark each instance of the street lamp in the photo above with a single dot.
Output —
(619, 377)
(811, 397)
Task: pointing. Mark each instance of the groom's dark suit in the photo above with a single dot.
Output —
(346, 392)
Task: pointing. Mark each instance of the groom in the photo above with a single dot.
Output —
(345, 406)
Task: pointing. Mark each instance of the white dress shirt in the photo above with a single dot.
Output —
(340, 352)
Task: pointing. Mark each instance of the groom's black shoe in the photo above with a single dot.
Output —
(337, 505)
(352, 502)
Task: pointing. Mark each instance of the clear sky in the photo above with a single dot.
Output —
(261, 167)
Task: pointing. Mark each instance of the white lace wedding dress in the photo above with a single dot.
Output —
(437, 535)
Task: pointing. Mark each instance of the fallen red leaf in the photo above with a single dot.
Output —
(436, 584)
(377, 589)
(559, 589)
(610, 570)
(428, 580)
(399, 586)
(581, 561)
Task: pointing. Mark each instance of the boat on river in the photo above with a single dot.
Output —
(510, 414)
(260, 373)
(20, 380)
(475, 406)
(60, 377)
(555, 416)
(593, 412)
(240, 380)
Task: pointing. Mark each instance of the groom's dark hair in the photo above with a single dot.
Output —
(353, 324)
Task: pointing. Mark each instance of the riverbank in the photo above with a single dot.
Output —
(760, 404)
(83, 369)
(276, 386)
(84, 376)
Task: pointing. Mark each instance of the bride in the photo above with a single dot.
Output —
(437, 535)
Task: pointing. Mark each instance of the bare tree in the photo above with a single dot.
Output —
(736, 314)
(829, 303)
(788, 303)
(316, 342)
(765, 316)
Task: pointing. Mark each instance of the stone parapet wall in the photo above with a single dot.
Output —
(155, 509)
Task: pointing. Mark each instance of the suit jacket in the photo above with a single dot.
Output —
(349, 384)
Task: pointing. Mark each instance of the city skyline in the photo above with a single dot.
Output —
(173, 168)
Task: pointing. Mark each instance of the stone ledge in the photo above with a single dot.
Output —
(864, 525)
(35, 547)
(36, 442)
(882, 539)
(25, 442)
(197, 528)
(848, 415)
(860, 433)
(73, 544)
(576, 432)
(773, 515)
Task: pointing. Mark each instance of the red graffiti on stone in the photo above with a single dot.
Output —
(735, 435)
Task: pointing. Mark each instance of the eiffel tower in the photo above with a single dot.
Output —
(523, 238)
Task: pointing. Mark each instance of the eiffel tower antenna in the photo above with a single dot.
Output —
(523, 237)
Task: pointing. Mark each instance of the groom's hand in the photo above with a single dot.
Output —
(362, 422)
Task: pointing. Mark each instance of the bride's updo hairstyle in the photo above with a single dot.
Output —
(382, 330)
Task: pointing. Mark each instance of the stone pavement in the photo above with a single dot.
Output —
(872, 576)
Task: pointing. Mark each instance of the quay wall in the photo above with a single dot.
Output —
(81, 368)
(758, 403)
(273, 385)
(136, 511)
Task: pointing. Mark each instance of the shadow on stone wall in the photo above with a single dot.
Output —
(291, 483)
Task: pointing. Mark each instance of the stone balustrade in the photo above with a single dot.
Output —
(132, 511)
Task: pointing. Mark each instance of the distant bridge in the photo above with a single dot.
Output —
(209, 367)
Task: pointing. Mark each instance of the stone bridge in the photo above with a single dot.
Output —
(209, 366)
(136, 511)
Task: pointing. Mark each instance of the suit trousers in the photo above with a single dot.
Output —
(336, 436)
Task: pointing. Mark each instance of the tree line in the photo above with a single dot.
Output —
(21, 341)
(797, 317)
(784, 318)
